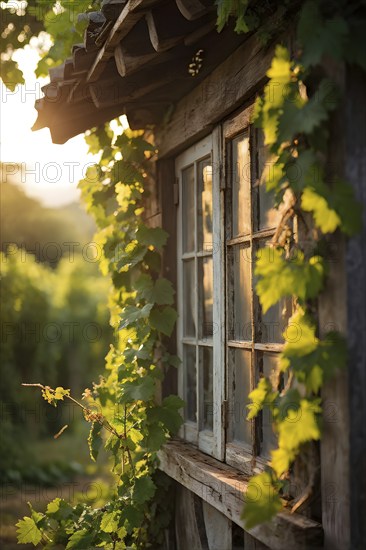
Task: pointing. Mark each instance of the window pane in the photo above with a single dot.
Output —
(206, 296)
(190, 386)
(189, 309)
(274, 321)
(240, 293)
(204, 206)
(241, 185)
(189, 222)
(207, 375)
(239, 364)
(268, 216)
(268, 436)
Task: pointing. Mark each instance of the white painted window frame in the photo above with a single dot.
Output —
(209, 442)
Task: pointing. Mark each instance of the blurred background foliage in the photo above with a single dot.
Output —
(54, 329)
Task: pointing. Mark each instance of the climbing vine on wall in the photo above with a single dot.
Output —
(124, 410)
(294, 112)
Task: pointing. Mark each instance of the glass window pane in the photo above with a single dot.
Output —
(239, 363)
(189, 361)
(241, 185)
(204, 204)
(239, 259)
(268, 437)
(268, 216)
(206, 296)
(274, 321)
(207, 375)
(188, 206)
(189, 307)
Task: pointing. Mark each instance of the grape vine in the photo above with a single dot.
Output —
(295, 112)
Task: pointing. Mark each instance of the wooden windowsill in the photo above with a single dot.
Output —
(223, 487)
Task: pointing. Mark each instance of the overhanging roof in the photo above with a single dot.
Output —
(139, 57)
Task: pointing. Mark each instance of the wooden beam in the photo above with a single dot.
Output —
(133, 11)
(167, 27)
(135, 51)
(194, 9)
(227, 87)
(223, 487)
(355, 139)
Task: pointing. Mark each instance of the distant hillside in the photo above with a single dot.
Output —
(40, 230)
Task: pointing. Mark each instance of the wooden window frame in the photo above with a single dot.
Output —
(211, 443)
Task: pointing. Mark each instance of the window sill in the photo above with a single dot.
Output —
(223, 487)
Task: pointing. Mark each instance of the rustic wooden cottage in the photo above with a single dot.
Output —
(164, 65)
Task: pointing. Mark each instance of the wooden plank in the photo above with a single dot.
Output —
(135, 51)
(223, 487)
(336, 421)
(165, 184)
(225, 89)
(355, 139)
(218, 239)
(194, 9)
(218, 528)
(130, 15)
(167, 27)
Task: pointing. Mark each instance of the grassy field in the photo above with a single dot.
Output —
(90, 485)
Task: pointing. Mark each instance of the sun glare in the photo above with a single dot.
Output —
(47, 171)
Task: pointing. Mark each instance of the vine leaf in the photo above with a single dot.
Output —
(109, 522)
(298, 427)
(167, 413)
(279, 277)
(152, 236)
(144, 489)
(142, 389)
(94, 440)
(318, 36)
(80, 540)
(262, 395)
(312, 360)
(262, 501)
(131, 314)
(163, 320)
(28, 532)
(59, 509)
(161, 292)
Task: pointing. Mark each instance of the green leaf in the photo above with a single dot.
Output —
(155, 438)
(131, 314)
(28, 532)
(109, 523)
(279, 277)
(80, 540)
(160, 293)
(167, 413)
(163, 320)
(320, 36)
(262, 501)
(152, 236)
(143, 490)
(60, 393)
(312, 360)
(94, 440)
(298, 427)
(333, 207)
(131, 256)
(142, 389)
(59, 509)
(262, 395)
(325, 218)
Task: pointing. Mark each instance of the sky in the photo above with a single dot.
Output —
(50, 172)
